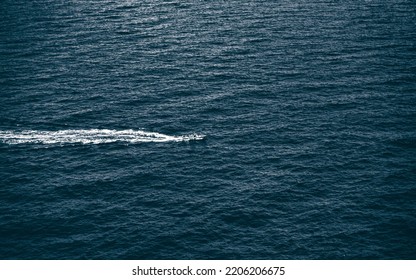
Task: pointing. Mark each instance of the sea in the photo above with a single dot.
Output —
(207, 129)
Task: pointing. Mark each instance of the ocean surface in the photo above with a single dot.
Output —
(257, 129)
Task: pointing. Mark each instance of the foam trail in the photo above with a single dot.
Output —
(90, 136)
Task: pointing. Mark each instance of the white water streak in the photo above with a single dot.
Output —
(90, 136)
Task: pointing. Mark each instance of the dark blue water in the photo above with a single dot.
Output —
(258, 129)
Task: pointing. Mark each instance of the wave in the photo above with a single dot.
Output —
(90, 136)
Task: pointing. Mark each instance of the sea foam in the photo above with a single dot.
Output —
(90, 136)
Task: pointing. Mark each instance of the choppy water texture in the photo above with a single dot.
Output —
(308, 108)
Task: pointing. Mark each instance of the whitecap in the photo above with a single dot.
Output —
(90, 136)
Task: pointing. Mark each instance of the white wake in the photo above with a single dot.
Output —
(90, 136)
